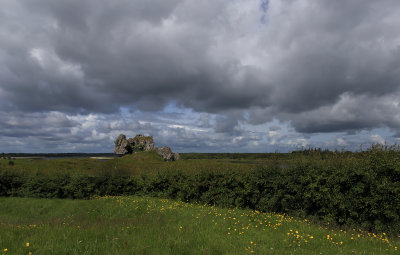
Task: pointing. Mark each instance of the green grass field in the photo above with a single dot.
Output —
(136, 164)
(143, 225)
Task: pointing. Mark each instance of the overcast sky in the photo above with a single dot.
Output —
(199, 76)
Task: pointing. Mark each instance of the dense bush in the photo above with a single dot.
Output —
(361, 190)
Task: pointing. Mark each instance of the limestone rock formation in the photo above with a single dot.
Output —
(121, 145)
(138, 143)
(142, 143)
(177, 156)
(167, 154)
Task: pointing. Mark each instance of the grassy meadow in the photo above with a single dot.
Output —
(144, 225)
(307, 202)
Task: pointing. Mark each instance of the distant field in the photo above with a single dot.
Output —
(55, 155)
(143, 225)
(140, 163)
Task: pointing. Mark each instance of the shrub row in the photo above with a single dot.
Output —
(357, 191)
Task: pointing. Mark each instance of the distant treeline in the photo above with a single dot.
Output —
(274, 155)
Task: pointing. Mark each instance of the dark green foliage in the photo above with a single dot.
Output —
(360, 189)
(11, 183)
(137, 148)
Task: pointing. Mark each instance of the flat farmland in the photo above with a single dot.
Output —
(308, 202)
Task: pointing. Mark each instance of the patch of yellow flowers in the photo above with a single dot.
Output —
(26, 245)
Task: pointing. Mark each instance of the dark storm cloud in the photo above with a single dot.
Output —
(90, 56)
(336, 65)
(351, 113)
(225, 124)
(323, 66)
(274, 128)
(19, 124)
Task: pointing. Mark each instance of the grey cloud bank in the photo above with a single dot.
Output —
(243, 75)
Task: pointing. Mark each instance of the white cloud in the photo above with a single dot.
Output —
(377, 139)
(341, 142)
(298, 142)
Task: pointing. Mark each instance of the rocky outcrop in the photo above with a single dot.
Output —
(121, 145)
(138, 143)
(167, 154)
(142, 143)
(177, 156)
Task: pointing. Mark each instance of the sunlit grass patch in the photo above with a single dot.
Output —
(142, 225)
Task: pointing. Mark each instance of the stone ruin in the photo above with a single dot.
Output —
(125, 146)
(138, 143)
(167, 154)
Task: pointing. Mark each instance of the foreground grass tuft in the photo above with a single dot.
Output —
(142, 225)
